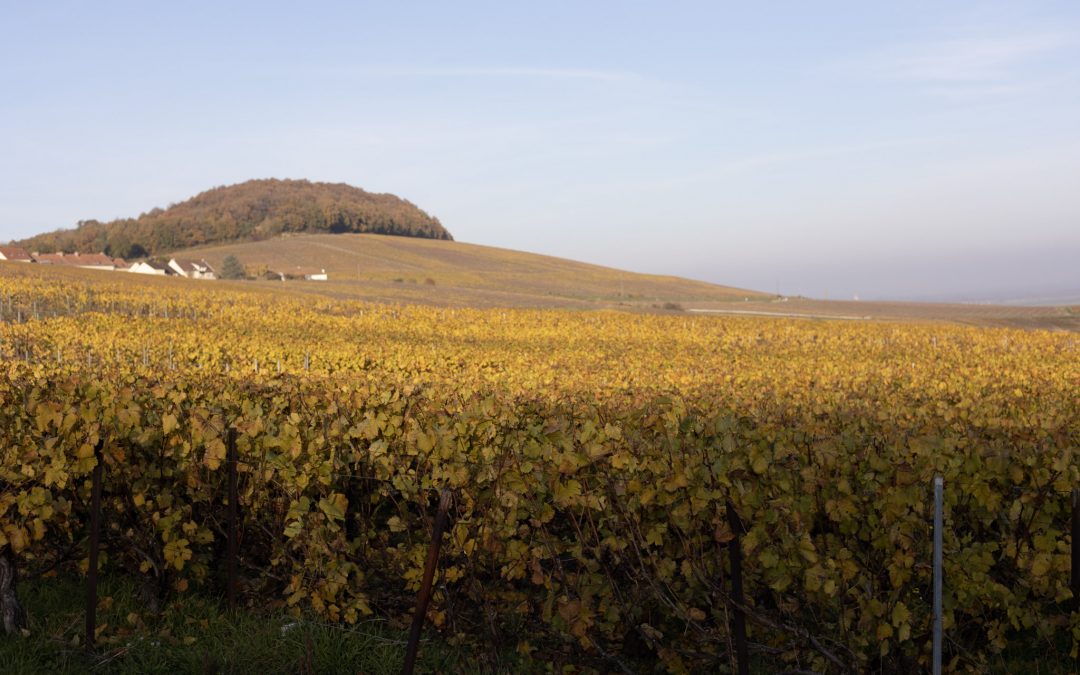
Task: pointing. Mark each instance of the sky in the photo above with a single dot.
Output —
(916, 150)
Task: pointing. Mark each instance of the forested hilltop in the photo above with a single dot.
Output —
(250, 211)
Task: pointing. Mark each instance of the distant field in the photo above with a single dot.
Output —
(396, 270)
(1006, 316)
(384, 268)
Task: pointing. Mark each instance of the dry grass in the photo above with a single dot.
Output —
(405, 269)
(420, 271)
(1010, 316)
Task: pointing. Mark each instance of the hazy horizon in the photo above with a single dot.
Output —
(920, 152)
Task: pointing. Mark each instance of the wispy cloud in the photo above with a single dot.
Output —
(972, 91)
(720, 170)
(971, 60)
(996, 65)
(498, 71)
(823, 152)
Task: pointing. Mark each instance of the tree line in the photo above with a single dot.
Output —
(249, 211)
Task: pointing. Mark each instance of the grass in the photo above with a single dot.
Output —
(196, 635)
(447, 272)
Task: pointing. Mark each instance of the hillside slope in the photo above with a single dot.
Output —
(491, 288)
(454, 273)
(250, 211)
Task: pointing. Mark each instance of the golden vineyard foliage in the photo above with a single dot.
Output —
(592, 456)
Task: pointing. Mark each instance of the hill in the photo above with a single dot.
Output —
(453, 273)
(250, 211)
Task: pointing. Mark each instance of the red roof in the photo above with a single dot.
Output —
(14, 253)
(76, 259)
(95, 259)
(51, 258)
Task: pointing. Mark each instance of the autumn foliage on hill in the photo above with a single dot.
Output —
(254, 210)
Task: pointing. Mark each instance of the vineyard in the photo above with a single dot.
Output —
(594, 460)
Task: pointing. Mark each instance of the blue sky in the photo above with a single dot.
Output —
(886, 150)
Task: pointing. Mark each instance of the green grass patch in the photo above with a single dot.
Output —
(195, 634)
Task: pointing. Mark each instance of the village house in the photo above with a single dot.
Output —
(305, 273)
(184, 267)
(150, 267)
(48, 258)
(90, 261)
(192, 269)
(14, 254)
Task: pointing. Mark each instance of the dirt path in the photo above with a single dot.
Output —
(798, 315)
(1046, 318)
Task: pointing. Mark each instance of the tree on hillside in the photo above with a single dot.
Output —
(231, 268)
(251, 211)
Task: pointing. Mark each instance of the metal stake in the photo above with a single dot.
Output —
(939, 487)
(1075, 580)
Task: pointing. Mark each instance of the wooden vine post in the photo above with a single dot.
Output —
(234, 498)
(95, 535)
(738, 616)
(12, 614)
(424, 596)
